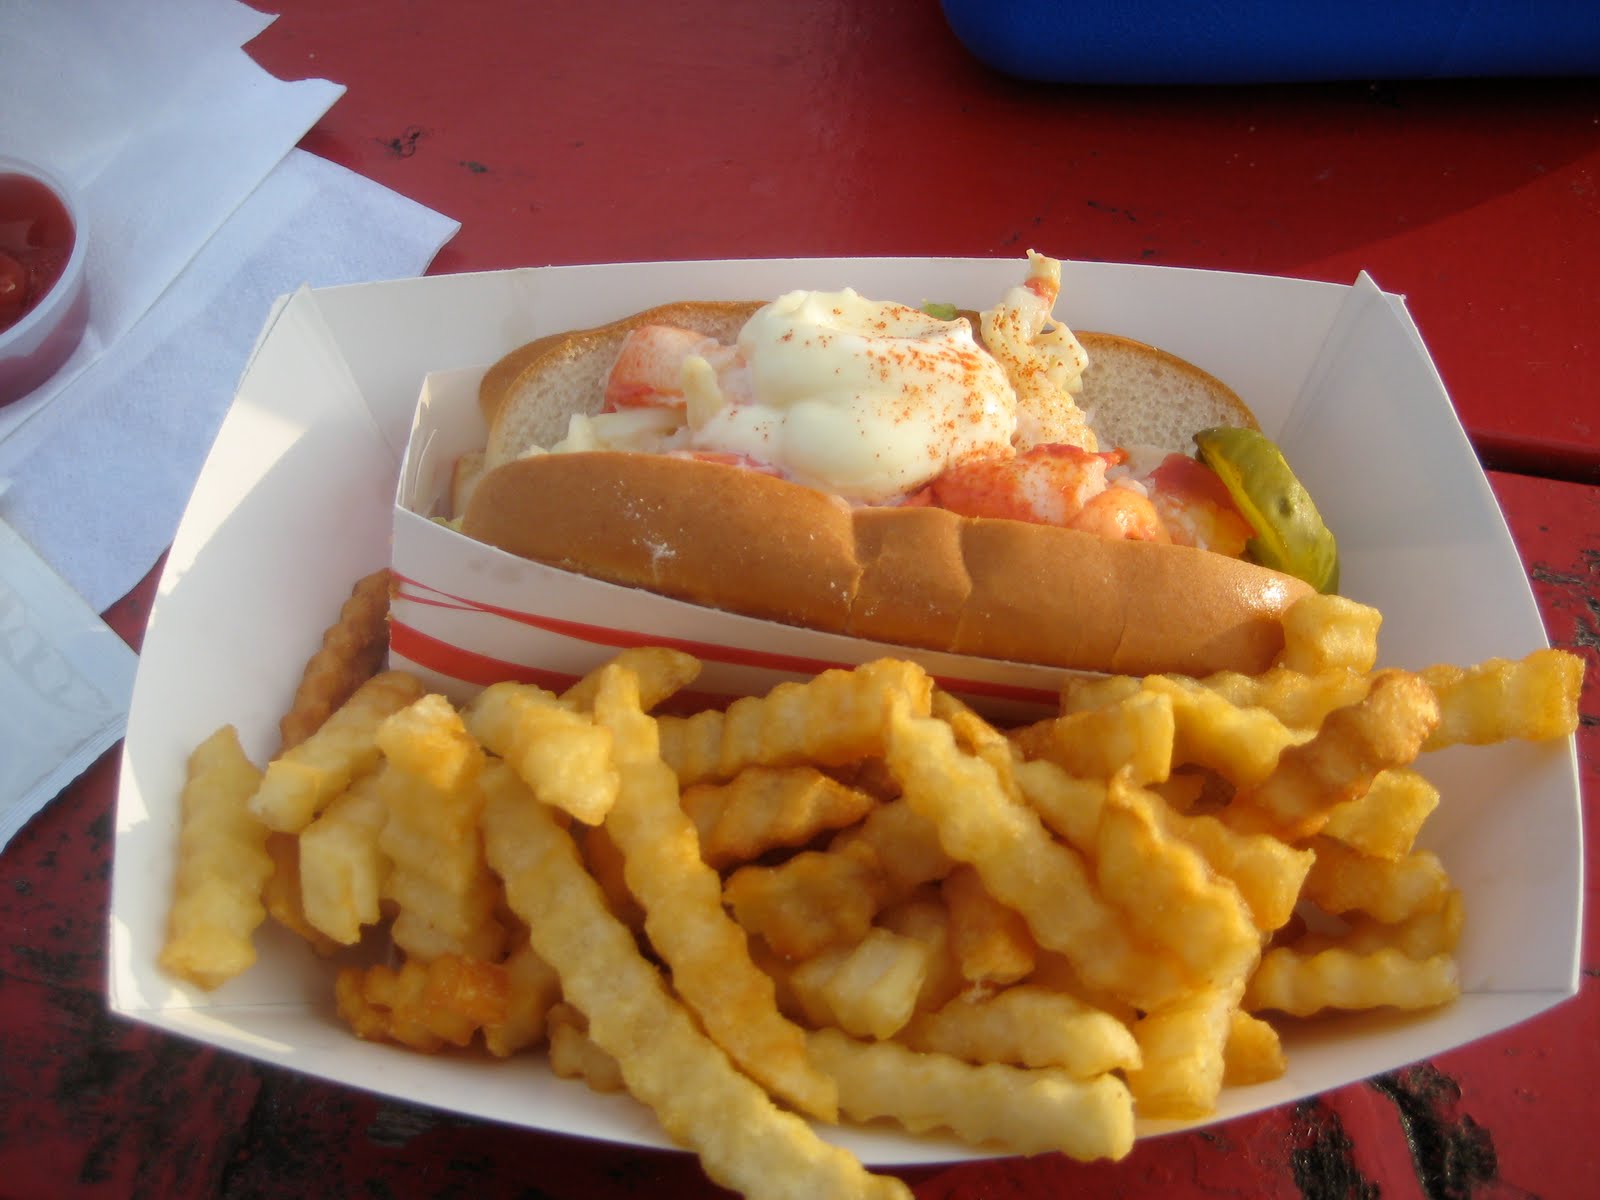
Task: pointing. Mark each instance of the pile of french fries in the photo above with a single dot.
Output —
(855, 898)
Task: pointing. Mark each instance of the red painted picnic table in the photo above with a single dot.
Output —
(570, 133)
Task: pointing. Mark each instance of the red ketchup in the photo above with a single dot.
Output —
(36, 238)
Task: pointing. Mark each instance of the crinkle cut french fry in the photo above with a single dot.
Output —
(903, 844)
(1253, 1052)
(428, 740)
(1027, 1026)
(1057, 974)
(1343, 880)
(923, 916)
(1299, 700)
(437, 875)
(764, 808)
(1070, 806)
(1386, 729)
(1080, 693)
(533, 989)
(1325, 632)
(1437, 931)
(818, 899)
(1134, 734)
(573, 1054)
(744, 1141)
(1301, 985)
(1240, 743)
(833, 719)
(222, 866)
(869, 989)
(1268, 873)
(282, 894)
(1182, 1047)
(1027, 1111)
(1021, 864)
(425, 1006)
(560, 753)
(662, 673)
(977, 737)
(300, 781)
(604, 859)
(1169, 894)
(1533, 698)
(991, 942)
(1384, 821)
(684, 919)
(815, 900)
(352, 652)
(342, 865)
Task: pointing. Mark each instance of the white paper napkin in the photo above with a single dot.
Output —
(65, 682)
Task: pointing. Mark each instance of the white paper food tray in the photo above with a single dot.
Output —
(296, 502)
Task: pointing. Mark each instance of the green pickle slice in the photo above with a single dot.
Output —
(1290, 536)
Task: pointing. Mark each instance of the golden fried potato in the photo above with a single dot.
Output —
(1325, 632)
(604, 859)
(1384, 821)
(282, 894)
(1025, 1111)
(438, 877)
(222, 866)
(559, 752)
(1422, 935)
(532, 990)
(1169, 894)
(573, 1055)
(705, 950)
(836, 718)
(1081, 693)
(1182, 1049)
(343, 868)
(1302, 702)
(1021, 865)
(869, 989)
(302, 780)
(979, 738)
(1301, 985)
(768, 808)
(662, 673)
(991, 943)
(1533, 698)
(1253, 1052)
(425, 1006)
(1135, 735)
(352, 652)
(1242, 744)
(745, 1142)
(903, 844)
(1386, 729)
(1342, 880)
(924, 916)
(1026, 1026)
(1268, 873)
(815, 900)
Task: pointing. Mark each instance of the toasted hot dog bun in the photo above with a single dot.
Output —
(752, 543)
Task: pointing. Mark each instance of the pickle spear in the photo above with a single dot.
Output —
(1290, 535)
